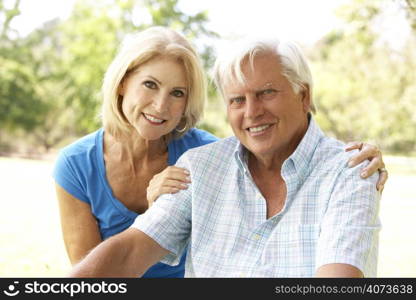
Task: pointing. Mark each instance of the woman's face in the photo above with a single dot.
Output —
(154, 97)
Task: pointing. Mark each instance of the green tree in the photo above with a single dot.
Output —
(364, 87)
(20, 108)
(93, 33)
(6, 16)
(51, 79)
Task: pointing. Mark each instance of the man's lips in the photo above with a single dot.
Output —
(259, 128)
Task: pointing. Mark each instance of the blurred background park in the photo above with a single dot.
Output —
(363, 59)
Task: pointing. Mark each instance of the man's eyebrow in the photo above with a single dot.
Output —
(268, 84)
(235, 96)
(262, 88)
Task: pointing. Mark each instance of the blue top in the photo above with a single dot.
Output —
(80, 170)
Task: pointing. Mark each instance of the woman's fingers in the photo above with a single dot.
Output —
(177, 173)
(169, 181)
(354, 145)
(175, 183)
(367, 151)
(376, 164)
(384, 175)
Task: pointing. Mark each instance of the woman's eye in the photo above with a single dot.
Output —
(178, 93)
(150, 84)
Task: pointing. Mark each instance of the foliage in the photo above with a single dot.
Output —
(365, 88)
(51, 79)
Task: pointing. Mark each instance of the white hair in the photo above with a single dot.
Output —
(229, 63)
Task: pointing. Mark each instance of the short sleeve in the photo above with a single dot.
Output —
(350, 227)
(66, 176)
(168, 220)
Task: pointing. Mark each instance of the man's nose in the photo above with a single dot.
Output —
(254, 107)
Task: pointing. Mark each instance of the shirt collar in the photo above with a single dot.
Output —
(304, 152)
(241, 156)
(300, 157)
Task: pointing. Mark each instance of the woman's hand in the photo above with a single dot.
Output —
(169, 181)
(373, 154)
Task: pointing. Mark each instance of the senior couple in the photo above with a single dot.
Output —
(278, 199)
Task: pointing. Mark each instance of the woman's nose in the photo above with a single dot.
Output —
(160, 103)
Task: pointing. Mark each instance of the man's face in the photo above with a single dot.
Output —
(265, 114)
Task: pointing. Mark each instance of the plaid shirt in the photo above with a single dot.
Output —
(330, 214)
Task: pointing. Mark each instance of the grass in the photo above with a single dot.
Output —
(32, 246)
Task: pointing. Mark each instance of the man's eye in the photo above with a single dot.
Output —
(178, 93)
(267, 94)
(150, 84)
(237, 101)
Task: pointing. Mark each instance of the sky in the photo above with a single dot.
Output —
(304, 21)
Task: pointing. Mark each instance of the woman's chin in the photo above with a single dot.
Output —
(152, 135)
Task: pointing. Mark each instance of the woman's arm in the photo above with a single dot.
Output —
(79, 226)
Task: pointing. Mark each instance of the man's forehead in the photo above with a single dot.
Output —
(262, 71)
(234, 86)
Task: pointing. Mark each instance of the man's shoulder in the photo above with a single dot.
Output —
(331, 158)
(332, 147)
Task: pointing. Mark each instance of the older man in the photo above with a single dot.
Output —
(276, 200)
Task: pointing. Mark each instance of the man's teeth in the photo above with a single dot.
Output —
(153, 119)
(258, 128)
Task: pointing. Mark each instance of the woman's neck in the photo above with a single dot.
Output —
(134, 147)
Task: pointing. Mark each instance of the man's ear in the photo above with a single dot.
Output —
(306, 98)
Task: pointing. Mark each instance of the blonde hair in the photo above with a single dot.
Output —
(294, 64)
(139, 49)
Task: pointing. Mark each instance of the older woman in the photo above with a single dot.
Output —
(154, 92)
(153, 96)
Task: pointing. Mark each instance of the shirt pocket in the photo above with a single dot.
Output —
(290, 250)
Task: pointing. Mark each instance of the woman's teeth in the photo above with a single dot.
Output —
(153, 119)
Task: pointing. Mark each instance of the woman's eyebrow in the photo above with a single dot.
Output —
(160, 82)
(155, 79)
